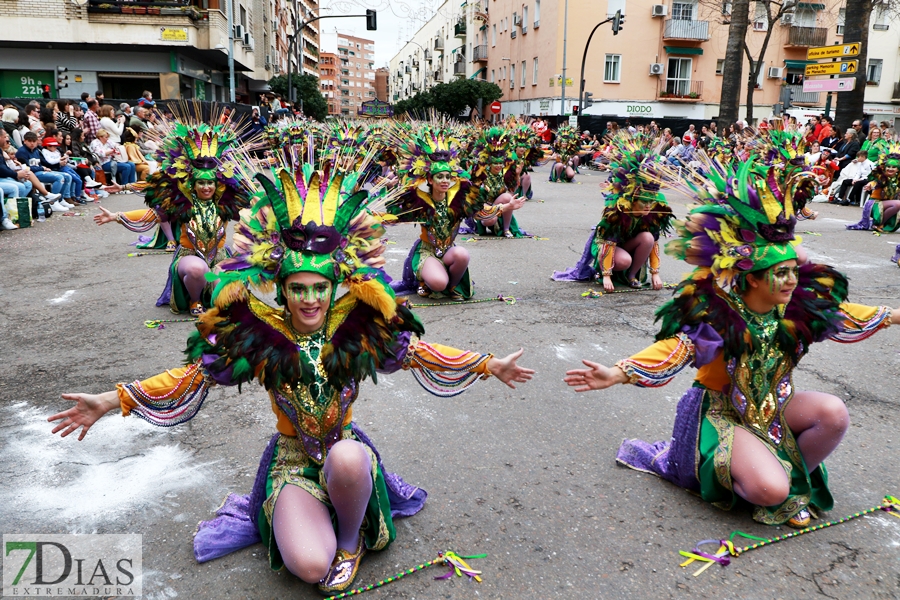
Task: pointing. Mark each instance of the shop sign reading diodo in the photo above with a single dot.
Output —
(39, 565)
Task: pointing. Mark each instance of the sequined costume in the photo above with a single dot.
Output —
(745, 360)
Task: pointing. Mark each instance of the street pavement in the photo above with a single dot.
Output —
(527, 476)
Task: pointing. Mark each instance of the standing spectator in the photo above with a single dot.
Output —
(98, 95)
(84, 99)
(866, 123)
(111, 160)
(91, 122)
(146, 100)
(111, 123)
(257, 123)
(65, 116)
(29, 155)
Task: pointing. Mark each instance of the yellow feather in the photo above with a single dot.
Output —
(769, 203)
(291, 197)
(329, 205)
(213, 144)
(373, 293)
(312, 205)
(230, 294)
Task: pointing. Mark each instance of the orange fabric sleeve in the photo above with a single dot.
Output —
(657, 365)
(139, 221)
(166, 399)
(861, 322)
(445, 371)
(606, 257)
(654, 259)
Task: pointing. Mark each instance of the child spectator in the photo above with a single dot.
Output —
(58, 162)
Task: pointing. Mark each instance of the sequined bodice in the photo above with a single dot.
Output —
(493, 186)
(205, 230)
(316, 409)
(441, 227)
(761, 379)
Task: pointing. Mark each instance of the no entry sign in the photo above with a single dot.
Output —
(495, 107)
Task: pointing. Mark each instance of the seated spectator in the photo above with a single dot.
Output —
(846, 151)
(853, 177)
(82, 151)
(111, 123)
(29, 155)
(98, 96)
(10, 118)
(20, 174)
(65, 116)
(33, 115)
(82, 166)
(111, 160)
(133, 152)
(146, 100)
(56, 161)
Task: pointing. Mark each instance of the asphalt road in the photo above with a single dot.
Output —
(527, 475)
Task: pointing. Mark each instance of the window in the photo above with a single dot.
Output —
(494, 34)
(512, 76)
(678, 76)
(524, 19)
(842, 17)
(537, 13)
(523, 73)
(683, 11)
(612, 68)
(873, 71)
(492, 75)
(761, 17)
(720, 66)
(882, 21)
(534, 78)
(726, 7)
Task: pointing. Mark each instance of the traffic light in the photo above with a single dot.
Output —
(45, 90)
(588, 100)
(575, 110)
(617, 22)
(371, 20)
(61, 78)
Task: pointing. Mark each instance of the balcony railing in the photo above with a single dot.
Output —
(798, 96)
(459, 30)
(459, 68)
(438, 75)
(677, 29)
(680, 90)
(184, 8)
(805, 37)
(438, 44)
(481, 53)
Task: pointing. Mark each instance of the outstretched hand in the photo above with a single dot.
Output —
(517, 202)
(506, 370)
(88, 408)
(595, 377)
(104, 217)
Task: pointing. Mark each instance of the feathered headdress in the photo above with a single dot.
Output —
(633, 173)
(310, 221)
(743, 221)
(427, 152)
(494, 146)
(190, 152)
(566, 143)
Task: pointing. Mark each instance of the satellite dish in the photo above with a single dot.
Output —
(79, 2)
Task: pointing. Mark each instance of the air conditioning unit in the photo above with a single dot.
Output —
(512, 34)
(760, 25)
(238, 33)
(659, 10)
(657, 68)
(787, 19)
(775, 72)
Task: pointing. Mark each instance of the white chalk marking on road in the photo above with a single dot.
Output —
(563, 353)
(833, 220)
(64, 298)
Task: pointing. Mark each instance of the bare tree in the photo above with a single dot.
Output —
(771, 11)
(856, 29)
(730, 100)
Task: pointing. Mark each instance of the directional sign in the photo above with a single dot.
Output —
(839, 51)
(844, 84)
(848, 67)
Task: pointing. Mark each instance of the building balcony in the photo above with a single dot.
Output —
(680, 90)
(481, 53)
(677, 29)
(798, 96)
(459, 30)
(184, 8)
(459, 68)
(438, 75)
(438, 43)
(806, 37)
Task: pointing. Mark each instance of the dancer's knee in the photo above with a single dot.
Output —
(347, 462)
(310, 564)
(644, 237)
(765, 489)
(833, 415)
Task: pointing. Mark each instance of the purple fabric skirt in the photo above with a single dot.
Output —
(584, 269)
(235, 525)
(865, 223)
(409, 283)
(674, 460)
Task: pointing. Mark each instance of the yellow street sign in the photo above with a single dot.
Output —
(847, 67)
(839, 51)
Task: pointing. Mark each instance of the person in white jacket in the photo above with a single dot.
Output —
(111, 123)
(853, 177)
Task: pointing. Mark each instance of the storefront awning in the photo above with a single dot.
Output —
(682, 50)
(798, 64)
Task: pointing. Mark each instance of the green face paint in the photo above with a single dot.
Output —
(444, 176)
(317, 292)
(778, 277)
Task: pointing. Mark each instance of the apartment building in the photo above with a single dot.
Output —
(174, 48)
(381, 84)
(666, 62)
(356, 83)
(329, 81)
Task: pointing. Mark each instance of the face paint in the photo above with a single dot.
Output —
(780, 276)
(444, 176)
(318, 292)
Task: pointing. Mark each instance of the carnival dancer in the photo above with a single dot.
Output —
(880, 209)
(322, 498)
(564, 161)
(495, 157)
(528, 155)
(437, 193)
(625, 243)
(745, 317)
(201, 186)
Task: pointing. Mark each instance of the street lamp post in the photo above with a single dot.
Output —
(562, 106)
(229, 17)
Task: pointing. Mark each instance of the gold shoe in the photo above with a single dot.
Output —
(197, 309)
(800, 521)
(343, 570)
(170, 246)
